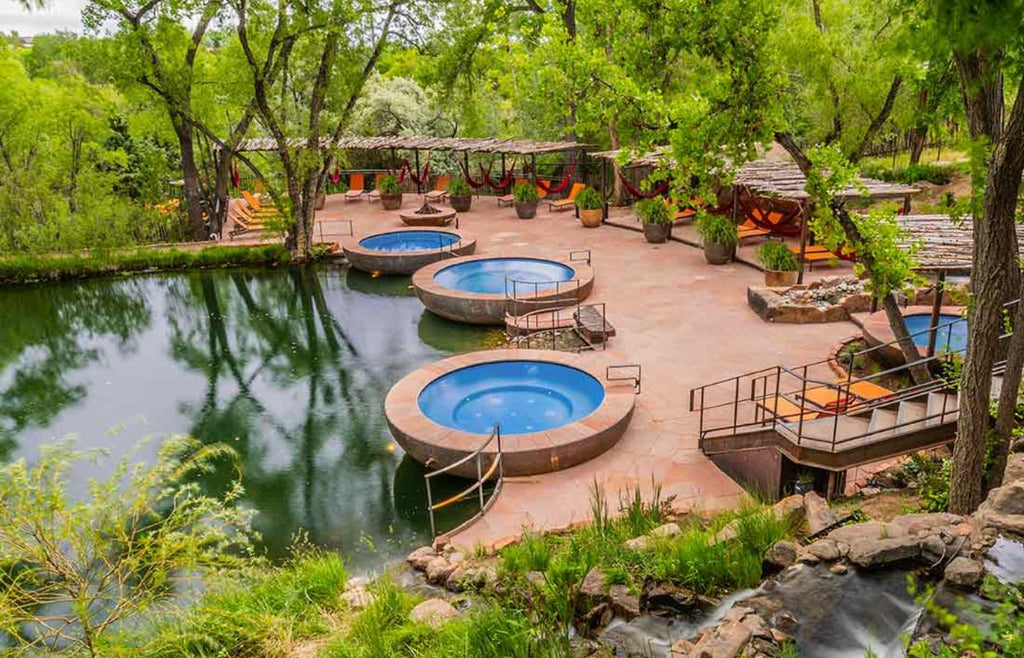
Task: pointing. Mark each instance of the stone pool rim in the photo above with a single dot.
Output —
(402, 262)
(876, 330)
(436, 445)
(489, 308)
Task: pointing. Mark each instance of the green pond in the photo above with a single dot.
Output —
(289, 366)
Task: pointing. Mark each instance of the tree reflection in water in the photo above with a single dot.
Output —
(289, 366)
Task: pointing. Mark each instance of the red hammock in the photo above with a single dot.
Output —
(775, 216)
(420, 179)
(469, 180)
(640, 194)
(561, 186)
(400, 175)
(504, 182)
(234, 174)
(335, 176)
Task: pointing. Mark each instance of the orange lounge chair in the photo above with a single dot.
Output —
(355, 187)
(257, 207)
(683, 216)
(569, 201)
(374, 194)
(843, 397)
(509, 199)
(243, 221)
(786, 410)
(816, 253)
(439, 193)
(748, 230)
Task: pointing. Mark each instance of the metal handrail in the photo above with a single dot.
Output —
(636, 379)
(482, 477)
(579, 252)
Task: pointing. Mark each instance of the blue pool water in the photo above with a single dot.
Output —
(489, 275)
(952, 332)
(523, 396)
(409, 241)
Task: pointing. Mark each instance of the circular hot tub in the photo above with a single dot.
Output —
(950, 336)
(403, 251)
(481, 289)
(553, 411)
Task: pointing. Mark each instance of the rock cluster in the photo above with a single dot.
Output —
(1003, 510)
(742, 632)
(450, 569)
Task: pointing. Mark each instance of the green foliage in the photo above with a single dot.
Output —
(526, 193)
(18, 269)
(589, 199)
(76, 568)
(938, 174)
(256, 614)
(1002, 635)
(459, 187)
(653, 211)
(717, 229)
(390, 185)
(932, 480)
(777, 256)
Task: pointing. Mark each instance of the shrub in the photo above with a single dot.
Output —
(459, 187)
(526, 193)
(938, 174)
(717, 229)
(390, 185)
(776, 256)
(589, 199)
(654, 211)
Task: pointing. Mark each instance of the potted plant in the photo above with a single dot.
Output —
(780, 264)
(590, 207)
(390, 192)
(718, 233)
(656, 217)
(460, 194)
(526, 200)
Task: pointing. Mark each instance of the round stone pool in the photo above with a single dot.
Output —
(951, 335)
(482, 289)
(403, 251)
(521, 396)
(554, 410)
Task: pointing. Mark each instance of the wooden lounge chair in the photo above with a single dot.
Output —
(816, 253)
(355, 187)
(684, 216)
(569, 201)
(259, 208)
(439, 193)
(748, 230)
(843, 397)
(509, 199)
(374, 194)
(244, 221)
(786, 410)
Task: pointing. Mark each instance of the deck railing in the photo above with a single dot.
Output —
(777, 397)
(494, 470)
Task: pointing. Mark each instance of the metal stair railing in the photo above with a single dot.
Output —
(526, 329)
(482, 477)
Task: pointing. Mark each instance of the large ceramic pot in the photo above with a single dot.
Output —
(657, 233)
(591, 218)
(461, 203)
(321, 201)
(526, 210)
(719, 254)
(391, 201)
(779, 278)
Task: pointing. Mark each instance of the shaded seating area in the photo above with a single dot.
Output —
(568, 202)
(355, 187)
(440, 191)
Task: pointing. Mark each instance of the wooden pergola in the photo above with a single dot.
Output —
(392, 143)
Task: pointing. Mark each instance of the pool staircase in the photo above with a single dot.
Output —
(817, 419)
(492, 471)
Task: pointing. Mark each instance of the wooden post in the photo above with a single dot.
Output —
(604, 187)
(803, 240)
(940, 286)
(503, 174)
(416, 158)
(906, 204)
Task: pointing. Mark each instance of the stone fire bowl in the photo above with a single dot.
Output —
(442, 218)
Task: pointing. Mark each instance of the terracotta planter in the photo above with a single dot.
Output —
(657, 233)
(779, 278)
(321, 201)
(719, 254)
(526, 210)
(391, 201)
(461, 203)
(591, 218)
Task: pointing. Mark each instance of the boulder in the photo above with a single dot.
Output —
(839, 569)
(1007, 499)
(870, 553)
(433, 612)
(790, 509)
(667, 597)
(637, 543)
(536, 578)
(819, 514)
(357, 598)
(420, 557)
(623, 603)
(866, 531)
(666, 530)
(438, 570)
(592, 587)
(781, 555)
(1014, 468)
(726, 641)
(963, 572)
(728, 532)
(472, 577)
(598, 617)
(828, 549)
(927, 524)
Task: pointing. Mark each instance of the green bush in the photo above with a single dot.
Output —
(938, 174)
(717, 229)
(654, 211)
(459, 187)
(390, 185)
(526, 193)
(589, 199)
(776, 256)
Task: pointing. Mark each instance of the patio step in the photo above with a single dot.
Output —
(937, 415)
(882, 422)
(910, 416)
(831, 434)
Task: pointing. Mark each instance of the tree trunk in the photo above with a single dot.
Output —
(190, 175)
(219, 213)
(1005, 420)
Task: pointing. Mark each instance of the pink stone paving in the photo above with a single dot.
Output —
(687, 323)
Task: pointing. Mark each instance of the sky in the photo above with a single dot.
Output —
(58, 15)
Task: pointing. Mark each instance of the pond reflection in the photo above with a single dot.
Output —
(289, 366)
